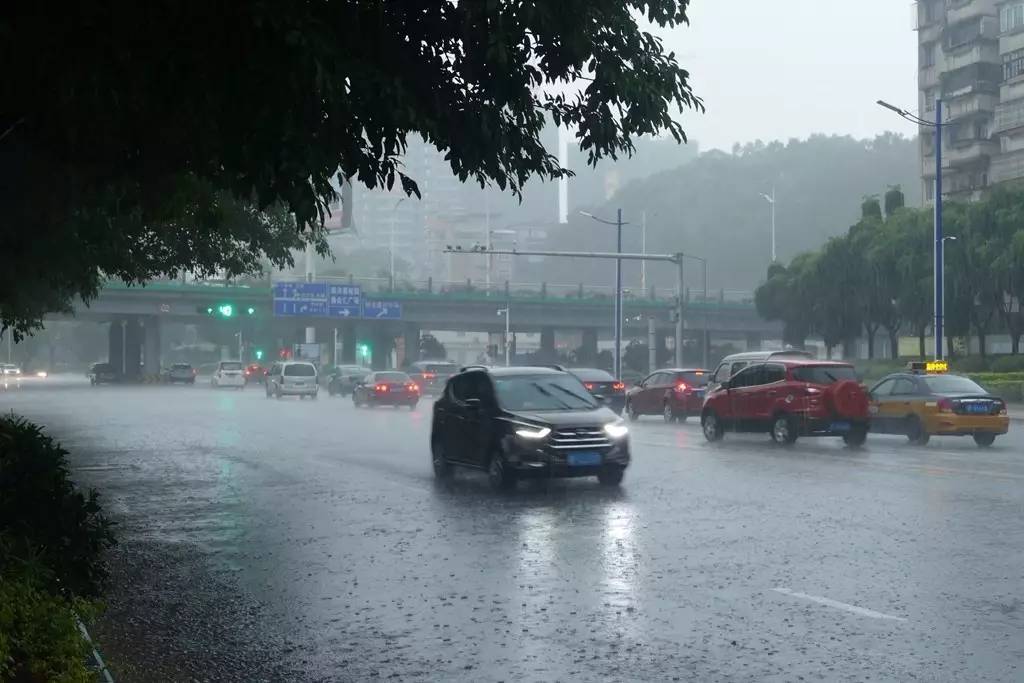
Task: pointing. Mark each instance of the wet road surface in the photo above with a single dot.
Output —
(300, 540)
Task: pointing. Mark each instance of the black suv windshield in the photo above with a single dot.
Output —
(823, 374)
(543, 392)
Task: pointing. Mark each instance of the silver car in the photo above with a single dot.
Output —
(292, 378)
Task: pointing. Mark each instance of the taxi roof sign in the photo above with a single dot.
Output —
(929, 367)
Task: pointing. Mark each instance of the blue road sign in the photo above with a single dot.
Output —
(302, 308)
(300, 299)
(344, 301)
(300, 291)
(382, 310)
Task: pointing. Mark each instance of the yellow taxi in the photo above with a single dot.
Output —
(927, 401)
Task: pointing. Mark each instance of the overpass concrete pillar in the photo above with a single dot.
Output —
(134, 337)
(347, 333)
(382, 344)
(151, 345)
(588, 348)
(411, 334)
(547, 353)
(115, 345)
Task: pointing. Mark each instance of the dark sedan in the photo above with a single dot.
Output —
(603, 386)
(386, 389)
(342, 380)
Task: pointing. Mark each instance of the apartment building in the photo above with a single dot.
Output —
(972, 56)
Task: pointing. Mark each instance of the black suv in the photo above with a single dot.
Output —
(526, 422)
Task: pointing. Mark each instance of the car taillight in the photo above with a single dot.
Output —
(381, 388)
(945, 405)
(619, 386)
(413, 387)
(194, 371)
(429, 375)
(681, 387)
(590, 387)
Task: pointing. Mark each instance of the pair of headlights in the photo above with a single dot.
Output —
(615, 430)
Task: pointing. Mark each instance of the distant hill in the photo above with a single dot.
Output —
(712, 206)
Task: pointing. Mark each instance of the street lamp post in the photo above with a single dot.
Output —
(771, 200)
(707, 337)
(939, 256)
(618, 286)
(508, 334)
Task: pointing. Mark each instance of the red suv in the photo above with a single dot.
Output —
(674, 394)
(789, 399)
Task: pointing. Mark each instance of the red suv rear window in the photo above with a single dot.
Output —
(824, 374)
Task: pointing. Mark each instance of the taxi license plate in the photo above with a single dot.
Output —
(977, 408)
(584, 459)
(839, 427)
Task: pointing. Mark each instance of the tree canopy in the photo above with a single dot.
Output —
(134, 137)
(879, 276)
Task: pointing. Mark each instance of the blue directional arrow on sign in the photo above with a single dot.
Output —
(300, 298)
(382, 310)
(344, 301)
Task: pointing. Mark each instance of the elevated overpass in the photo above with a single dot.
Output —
(136, 313)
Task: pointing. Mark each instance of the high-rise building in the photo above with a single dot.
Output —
(972, 56)
(959, 62)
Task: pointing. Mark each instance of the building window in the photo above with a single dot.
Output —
(927, 55)
(929, 191)
(1011, 17)
(1013, 63)
(963, 33)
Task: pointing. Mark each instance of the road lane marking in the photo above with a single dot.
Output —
(828, 602)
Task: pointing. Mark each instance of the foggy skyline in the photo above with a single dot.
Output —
(775, 71)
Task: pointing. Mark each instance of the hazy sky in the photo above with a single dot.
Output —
(790, 68)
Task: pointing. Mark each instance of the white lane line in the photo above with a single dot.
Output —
(828, 602)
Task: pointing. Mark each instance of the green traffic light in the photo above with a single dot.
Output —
(364, 350)
(226, 310)
(259, 354)
(250, 310)
(209, 310)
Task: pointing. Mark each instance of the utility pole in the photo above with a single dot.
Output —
(771, 238)
(507, 312)
(680, 311)
(940, 242)
(939, 238)
(310, 276)
(618, 286)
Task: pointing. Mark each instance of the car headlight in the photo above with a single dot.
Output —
(533, 434)
(616, 430)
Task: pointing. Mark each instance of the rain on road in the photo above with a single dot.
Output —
(288, 540)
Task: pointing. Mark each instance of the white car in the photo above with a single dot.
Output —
(229, 373)
(292, 378)
(11, 369)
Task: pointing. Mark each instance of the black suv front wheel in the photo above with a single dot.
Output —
(502, 478)
(442, 468)
(611, 475)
